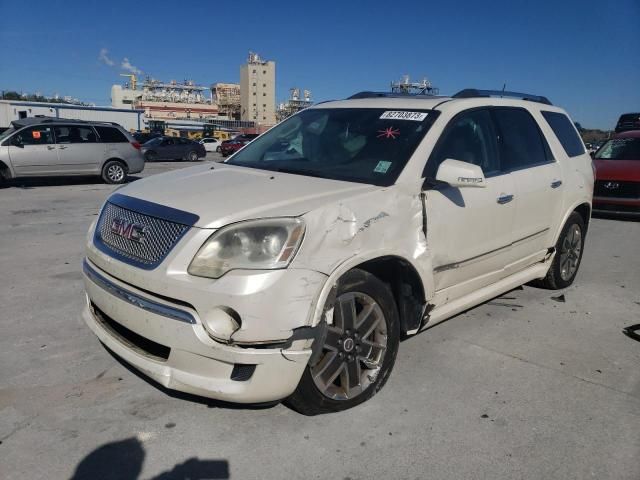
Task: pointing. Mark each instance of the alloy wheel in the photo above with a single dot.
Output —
(115, 173)
(570, 252)
(354, 348)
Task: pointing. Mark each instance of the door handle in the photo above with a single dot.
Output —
(50, 147)
(502, 199)
(62, 147)
(556, 183)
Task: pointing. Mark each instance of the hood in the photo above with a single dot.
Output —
(625, 170)
(221, 194)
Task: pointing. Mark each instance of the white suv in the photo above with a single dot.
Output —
(293, 270)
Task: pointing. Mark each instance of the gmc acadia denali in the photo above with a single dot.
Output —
(292, 270)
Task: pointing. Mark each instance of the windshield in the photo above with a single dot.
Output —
(153, 141)
(6, 133)
(366, 145)
(620, 149)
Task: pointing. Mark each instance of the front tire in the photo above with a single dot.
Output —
(192, 157)
(114, 172)
(569, 250)
(359, 349)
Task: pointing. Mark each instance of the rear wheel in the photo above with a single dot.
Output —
(358, 351)
(114, 172)
(569, 249)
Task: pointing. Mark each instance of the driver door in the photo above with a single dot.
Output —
(469, 229)
(167, 150)
(32, 151)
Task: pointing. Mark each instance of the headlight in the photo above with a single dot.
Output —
(257, 244)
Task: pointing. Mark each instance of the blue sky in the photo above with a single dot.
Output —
(582, 54)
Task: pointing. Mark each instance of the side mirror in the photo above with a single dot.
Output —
(16, 141)
(460, 174)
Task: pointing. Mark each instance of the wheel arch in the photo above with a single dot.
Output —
(409, 286)
(115, 159)
(583, 209)
(5, 171)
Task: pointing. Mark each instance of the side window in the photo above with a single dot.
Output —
(111, 135)
(75, 134)
(469, 137)
(566, 133)
(40, 135)
(521, 143)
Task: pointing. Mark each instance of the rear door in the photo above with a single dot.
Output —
(469, 229)
(537, 178)
(116, 143)
(33, 151)
(78, 149)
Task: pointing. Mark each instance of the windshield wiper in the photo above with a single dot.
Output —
(301, 171)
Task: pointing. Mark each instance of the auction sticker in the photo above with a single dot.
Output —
(403, 115)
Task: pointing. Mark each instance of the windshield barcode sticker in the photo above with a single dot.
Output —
(402, 115)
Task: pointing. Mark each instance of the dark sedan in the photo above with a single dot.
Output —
(173, 148)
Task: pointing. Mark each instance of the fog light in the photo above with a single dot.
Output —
(221, 323)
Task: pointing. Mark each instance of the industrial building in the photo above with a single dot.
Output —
(294, 104)
(258, 91)
(227, 97)
(165, 101)
(179, 107)
(130, 119)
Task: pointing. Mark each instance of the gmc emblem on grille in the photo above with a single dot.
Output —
(611, 185)
(131, 231)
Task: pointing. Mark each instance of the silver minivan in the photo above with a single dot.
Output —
(43, 146)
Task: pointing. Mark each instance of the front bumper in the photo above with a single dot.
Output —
(617, 206)
(190, 360)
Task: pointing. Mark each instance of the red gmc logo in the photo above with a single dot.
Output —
(131, 231)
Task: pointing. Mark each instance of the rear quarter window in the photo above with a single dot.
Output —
(111, 135)
(566, 133)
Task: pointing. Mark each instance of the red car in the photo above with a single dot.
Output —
(232, 146)
(617, 163)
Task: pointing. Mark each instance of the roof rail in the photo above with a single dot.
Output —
(369, 94)
(38, 119)
(475, 93)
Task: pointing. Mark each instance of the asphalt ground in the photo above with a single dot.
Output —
(533, 385)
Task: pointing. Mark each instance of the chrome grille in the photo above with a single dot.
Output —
(160, 236)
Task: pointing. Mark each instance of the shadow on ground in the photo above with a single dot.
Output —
(123, 460)
(33, 182)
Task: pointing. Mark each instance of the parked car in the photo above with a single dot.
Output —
(42, 146)
(628, 121)
(230, 147)
(144, 137)
(173, 148)
(292, 270)
(211, 144)
(617, 164)
(242, 137)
